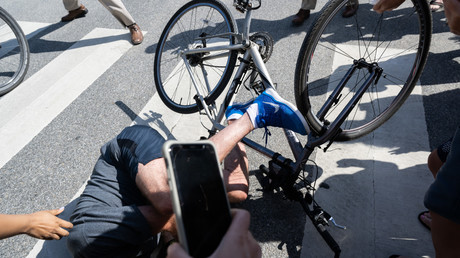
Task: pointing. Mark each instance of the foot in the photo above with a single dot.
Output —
(350, 10)
(269, 109)
(77, 13)
(300, 17)
(136, 34)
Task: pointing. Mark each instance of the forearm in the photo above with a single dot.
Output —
(11, 225)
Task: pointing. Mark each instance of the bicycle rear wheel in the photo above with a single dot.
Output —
(397, 41)
(192, 27)
(14, 53)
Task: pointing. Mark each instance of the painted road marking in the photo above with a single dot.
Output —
(38, 100)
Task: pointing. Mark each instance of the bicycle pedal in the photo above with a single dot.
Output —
(258, 87)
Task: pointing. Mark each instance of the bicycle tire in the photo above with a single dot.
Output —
(14, 53)
(172, 81)
(334, 42)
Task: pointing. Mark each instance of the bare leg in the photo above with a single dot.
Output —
(434, 162)
(446, 236)
(227, 139)
(236, 173)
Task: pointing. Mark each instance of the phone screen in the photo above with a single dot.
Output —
(202, 197)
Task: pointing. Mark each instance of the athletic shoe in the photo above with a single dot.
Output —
(236, 111)
(269, 109)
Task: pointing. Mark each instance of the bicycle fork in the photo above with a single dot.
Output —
(330, 130)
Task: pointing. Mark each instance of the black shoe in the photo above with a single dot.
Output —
(350, 10)
(77, 13)
(300, 17)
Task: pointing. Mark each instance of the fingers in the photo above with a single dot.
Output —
(55, 237)
(55, 234)
(239, 231)
(61, 222)
(241, 220)
(255, 249)
(65, 224)
(62, 232)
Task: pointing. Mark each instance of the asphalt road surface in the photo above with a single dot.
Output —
(86, 82)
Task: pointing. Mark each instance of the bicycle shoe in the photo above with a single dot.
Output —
(269, 109)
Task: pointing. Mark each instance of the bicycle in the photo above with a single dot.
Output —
(348, 79)
(14, 53)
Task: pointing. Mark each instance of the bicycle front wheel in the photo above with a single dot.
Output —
(198, 24)
(396, 41)
(14, 53)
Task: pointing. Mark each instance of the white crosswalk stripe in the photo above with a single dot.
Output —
(38, 100)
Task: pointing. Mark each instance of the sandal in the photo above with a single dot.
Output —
(436, 6)
(426, 218)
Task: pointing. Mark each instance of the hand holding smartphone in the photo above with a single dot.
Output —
(198, 194)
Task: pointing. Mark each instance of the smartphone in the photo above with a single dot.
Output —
(198, 194)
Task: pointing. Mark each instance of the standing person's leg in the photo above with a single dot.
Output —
(435, 161)
(304, 12)
(438, 157)
(70, 5)
(76, 10)
(446, 236)
(308, 4)
(119, 11)
(443, 201)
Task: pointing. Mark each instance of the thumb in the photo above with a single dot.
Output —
(176, 250)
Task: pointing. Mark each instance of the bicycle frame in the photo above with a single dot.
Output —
(288, 169)
(251, 54)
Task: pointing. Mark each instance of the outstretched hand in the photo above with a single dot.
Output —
(45, 225)
(451, 9)
(41, 224)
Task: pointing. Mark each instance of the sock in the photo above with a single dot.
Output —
(253, 112)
